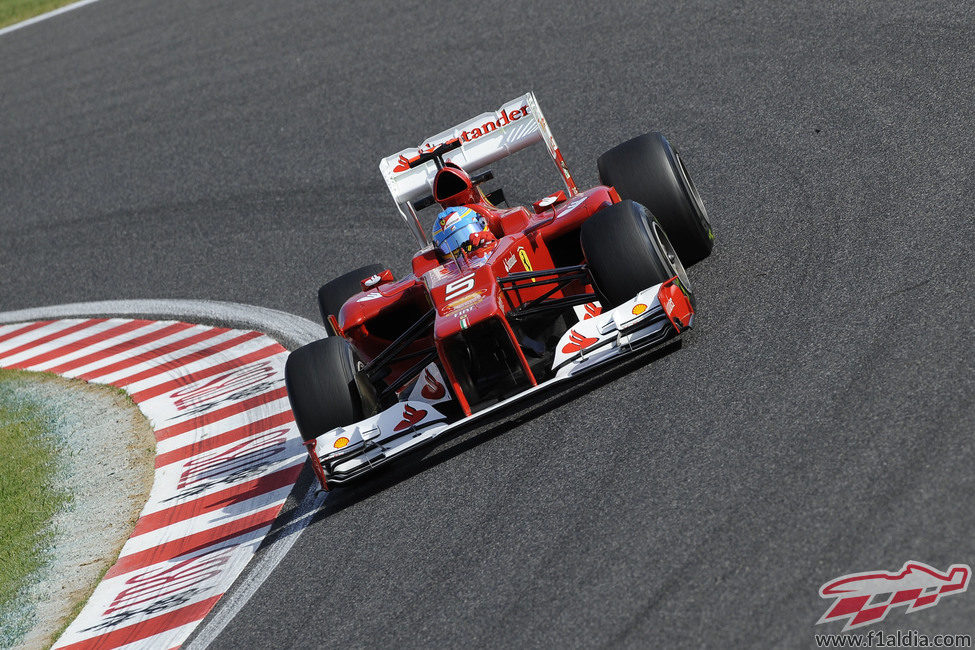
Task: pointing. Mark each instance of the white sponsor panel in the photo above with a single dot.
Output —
(588, 310)
(403, 418)
(430, 387)
(600, 335)
(484, 139)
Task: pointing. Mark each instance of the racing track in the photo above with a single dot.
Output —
(818, 422)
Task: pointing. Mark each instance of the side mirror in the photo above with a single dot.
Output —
(496, 197)
(375, 280)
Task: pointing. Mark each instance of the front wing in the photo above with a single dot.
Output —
(652, 316)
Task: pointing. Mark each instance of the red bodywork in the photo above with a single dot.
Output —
(466, 294)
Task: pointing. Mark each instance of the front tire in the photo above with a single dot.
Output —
(627, 251)
(332, 295)
(649, 171)
(320, 378)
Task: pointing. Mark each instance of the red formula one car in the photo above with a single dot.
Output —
(504, 300)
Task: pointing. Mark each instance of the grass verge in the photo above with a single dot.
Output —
(27, 465)
(14, 11)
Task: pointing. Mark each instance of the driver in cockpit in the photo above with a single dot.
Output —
(459, 230)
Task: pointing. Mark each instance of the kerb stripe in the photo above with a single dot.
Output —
(180, 382)
(221, 413)
(147, 628)
(185, 359)
(24, 330)
(154, 353)
(217, 500)
(195, 542)
(53, 336)
(200, 446)
(120, 347)
(80, 344)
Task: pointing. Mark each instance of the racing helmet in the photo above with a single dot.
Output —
(453, 228)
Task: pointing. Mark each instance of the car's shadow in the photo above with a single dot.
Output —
(466, 438)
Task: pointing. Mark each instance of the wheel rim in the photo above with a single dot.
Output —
(672, 259)
(696, 202)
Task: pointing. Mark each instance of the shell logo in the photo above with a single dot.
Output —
(639, 308)
(340, 442)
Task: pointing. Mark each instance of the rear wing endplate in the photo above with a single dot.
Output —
(485, 139)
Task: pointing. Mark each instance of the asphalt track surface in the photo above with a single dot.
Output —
(819, 421)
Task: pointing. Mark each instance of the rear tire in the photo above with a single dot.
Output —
(334, 294)
(320, 378)
(627, 251)
(649, 171)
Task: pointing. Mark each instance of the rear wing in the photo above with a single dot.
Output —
(485, 139)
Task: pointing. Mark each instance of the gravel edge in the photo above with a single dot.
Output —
(109, 483)
(290, 330)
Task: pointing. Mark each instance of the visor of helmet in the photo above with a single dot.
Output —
(453, 237)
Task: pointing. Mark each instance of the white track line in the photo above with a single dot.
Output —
(50, 14)
(261, 567)
(292, 331)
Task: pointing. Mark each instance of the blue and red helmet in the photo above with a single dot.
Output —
(453, 228)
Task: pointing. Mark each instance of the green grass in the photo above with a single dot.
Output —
(14, 11)
(27, 462)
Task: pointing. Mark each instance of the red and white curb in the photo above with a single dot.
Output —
(228, 454)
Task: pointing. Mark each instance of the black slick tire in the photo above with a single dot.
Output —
(648, 170)
(320, 378)
(627, 251)
(332, 295)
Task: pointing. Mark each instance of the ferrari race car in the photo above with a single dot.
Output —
(502, 301)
